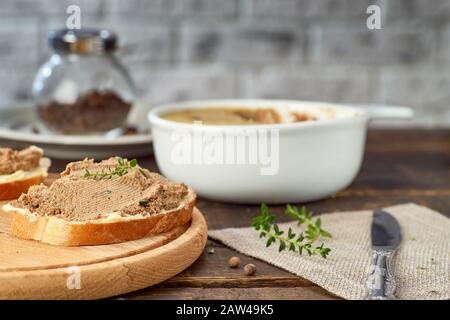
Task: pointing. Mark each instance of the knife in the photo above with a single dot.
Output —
(386, 237)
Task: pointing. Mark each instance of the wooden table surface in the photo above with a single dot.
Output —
(400, 166)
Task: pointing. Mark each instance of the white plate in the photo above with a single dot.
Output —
(16, 131)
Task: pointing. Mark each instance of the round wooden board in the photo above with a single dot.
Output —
(34, 270)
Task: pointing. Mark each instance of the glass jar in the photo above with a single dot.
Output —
(83, 88)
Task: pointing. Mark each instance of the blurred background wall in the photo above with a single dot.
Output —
(290, 49)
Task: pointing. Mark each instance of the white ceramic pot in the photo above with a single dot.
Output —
(308, 160)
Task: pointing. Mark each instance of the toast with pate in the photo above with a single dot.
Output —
(21, 169)
(111, 201)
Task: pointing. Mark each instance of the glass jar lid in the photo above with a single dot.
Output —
(82, 41)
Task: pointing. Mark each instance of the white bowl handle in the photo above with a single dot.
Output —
(388, 112)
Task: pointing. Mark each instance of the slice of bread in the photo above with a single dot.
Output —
(76, 210)
(13, 184)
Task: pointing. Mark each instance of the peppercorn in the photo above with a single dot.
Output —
(234, 262)
(249, 269)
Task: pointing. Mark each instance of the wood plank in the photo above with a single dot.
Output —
(236, 282)
(272, 293)
(408, 140)
(394, 192)
(216, 265)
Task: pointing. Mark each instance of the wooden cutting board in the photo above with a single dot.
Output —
(35, 270)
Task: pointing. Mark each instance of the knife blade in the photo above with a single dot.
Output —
(386, 233)
(386, 237)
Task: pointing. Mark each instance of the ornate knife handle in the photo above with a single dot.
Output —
(381, 283)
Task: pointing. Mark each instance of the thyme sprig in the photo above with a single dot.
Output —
(264, 223)
(119, 170)
(314, 229)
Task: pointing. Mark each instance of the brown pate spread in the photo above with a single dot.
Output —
(235, 116)
(77, 197)
(15, 160)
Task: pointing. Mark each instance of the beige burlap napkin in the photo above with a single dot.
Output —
(421, 265)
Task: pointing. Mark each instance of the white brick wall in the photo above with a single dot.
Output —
(206, 8)
(328, 9)
(19, 42)
(254, 44)
(389, 45)
(288, 49)
(16, 85)
(427, 88)
(135, 8)
(338, 84)
(191, 82)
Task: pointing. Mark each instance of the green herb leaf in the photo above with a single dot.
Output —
(326, 234)
(264, 223)
(119, 171)
(282, 246)
(143, 172)
(318, 223)
(264, 209)
(291, 235)
(144, 203)
(275, 228)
